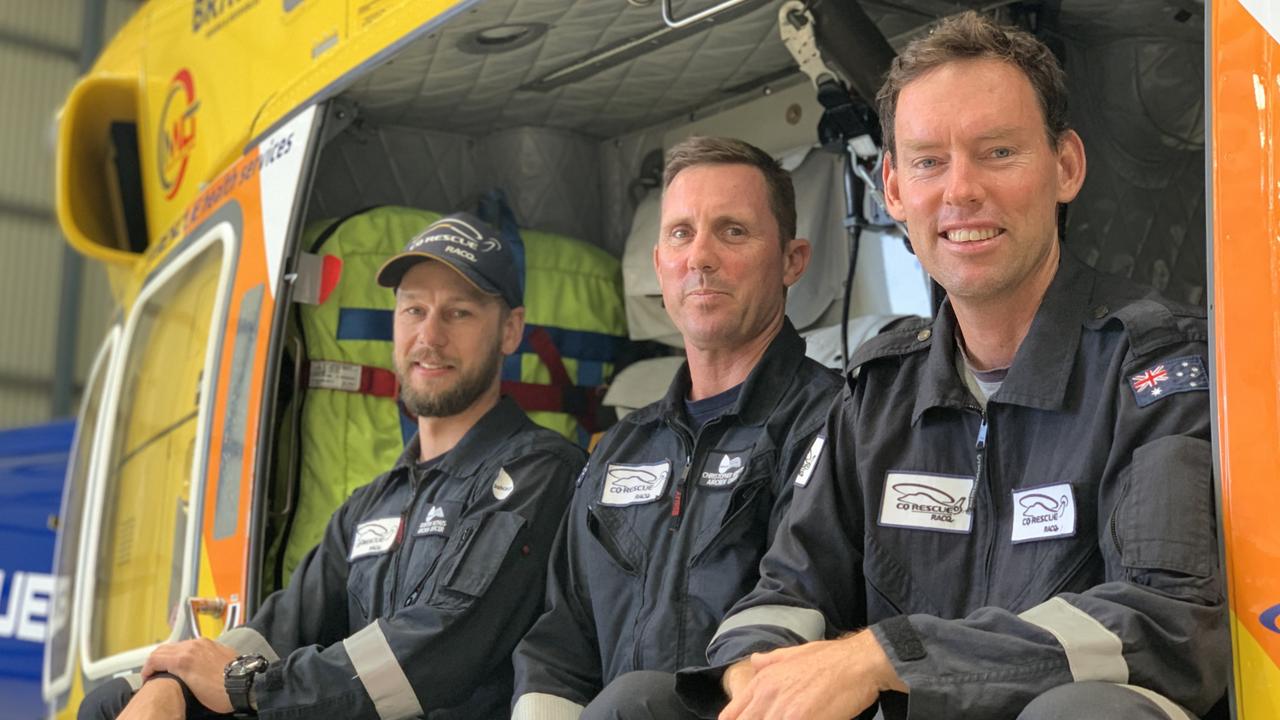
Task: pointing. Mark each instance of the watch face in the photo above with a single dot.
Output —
(246, 665)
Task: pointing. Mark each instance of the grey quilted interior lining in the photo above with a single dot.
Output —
(440, 125)
(431, 84)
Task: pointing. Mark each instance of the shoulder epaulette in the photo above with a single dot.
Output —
(1152, 322)
(900, 337)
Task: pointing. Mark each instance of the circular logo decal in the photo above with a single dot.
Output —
(177, 132)
(1268, 618)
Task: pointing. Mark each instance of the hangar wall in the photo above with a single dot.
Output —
(41, 53)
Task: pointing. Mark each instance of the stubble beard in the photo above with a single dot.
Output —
(455, 399)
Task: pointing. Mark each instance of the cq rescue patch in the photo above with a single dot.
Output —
(503, 485)
(634, 484)
(373, 537)
(927, 502)
(805, 471)
(1175, 375)
(723, 469)
(1043, 513)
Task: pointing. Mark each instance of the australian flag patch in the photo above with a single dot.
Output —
(1175, 375)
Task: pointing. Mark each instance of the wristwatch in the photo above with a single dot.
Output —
(237, 678)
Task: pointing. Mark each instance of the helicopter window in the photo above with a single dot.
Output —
(140, 569)
(70, 523)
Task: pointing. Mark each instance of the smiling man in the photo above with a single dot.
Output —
(1012, 511)
(425, 578)
(681, 498)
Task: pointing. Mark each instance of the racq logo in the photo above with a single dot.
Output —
(928, 500)
(177, 132)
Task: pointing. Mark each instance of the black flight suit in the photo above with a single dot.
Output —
(1084, 551)
(666, 530)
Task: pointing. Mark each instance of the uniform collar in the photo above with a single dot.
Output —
(1042, 366)
(478, 444)
(764, 387)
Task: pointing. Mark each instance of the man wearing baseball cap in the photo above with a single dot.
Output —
(426, 578)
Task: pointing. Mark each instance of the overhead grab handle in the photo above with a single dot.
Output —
(669, 18)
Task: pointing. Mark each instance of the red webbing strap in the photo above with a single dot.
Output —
(561, 395)
(542, 344)
(348, 377)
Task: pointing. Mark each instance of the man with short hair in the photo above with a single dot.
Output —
(681, 498)
(1015, 499)
(425, 578)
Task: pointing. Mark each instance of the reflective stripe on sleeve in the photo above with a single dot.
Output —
(247, 641)
(381, 674)
(808, 624)
(1170, 708)
(541, 706)
(134, 680)
(1093, 651)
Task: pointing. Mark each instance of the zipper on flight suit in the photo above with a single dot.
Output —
(980, 463)
(690, 446)
(678, 500)
(980, 447)
(415, 485)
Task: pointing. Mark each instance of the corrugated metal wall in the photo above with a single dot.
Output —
(40, 55)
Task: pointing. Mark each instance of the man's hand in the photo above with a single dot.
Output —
(824, 680)
(200, 664)
(737, 679)
(160, 699)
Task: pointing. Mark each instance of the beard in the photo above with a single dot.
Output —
(452, 400)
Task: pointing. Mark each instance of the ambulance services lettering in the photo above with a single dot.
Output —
(221, 188)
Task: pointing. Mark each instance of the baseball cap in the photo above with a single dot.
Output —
(468, 245)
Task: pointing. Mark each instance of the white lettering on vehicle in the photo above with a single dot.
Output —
(26, 609)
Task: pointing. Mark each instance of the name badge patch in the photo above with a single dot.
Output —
(805, 471)
(1044, 512)
(723, 469)
(634, 484)
(927, 502)
(435, 523)
(374, 537)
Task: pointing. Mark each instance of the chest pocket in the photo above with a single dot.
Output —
(736, 518)
(473, 557)
(611, 528)
(366, 578)
(427, 537)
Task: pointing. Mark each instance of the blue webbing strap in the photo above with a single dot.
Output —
(495, 210)
(364, 324)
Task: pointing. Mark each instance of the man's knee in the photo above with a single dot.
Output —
(106, 701)
(1088, 700)
(638, 695)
